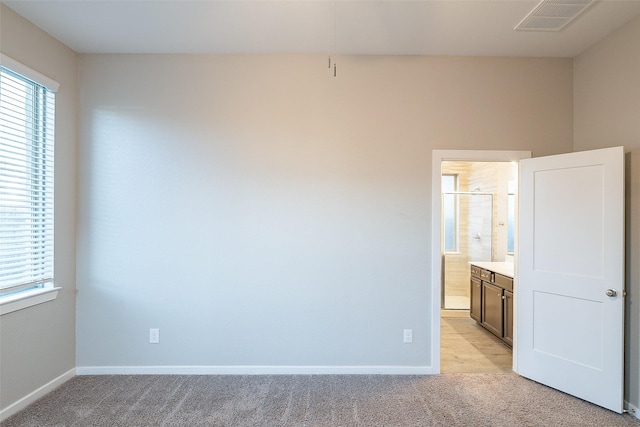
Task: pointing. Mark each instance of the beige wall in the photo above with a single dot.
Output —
(37, 344)
(280, 213)
(606, 114)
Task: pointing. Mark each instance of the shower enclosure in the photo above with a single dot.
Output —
(467, 236)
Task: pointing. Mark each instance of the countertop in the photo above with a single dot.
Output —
(504, 268)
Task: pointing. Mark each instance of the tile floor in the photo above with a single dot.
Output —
(467, 347)
(456, 302)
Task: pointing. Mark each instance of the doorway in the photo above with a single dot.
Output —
(477, 226)
(460, 199)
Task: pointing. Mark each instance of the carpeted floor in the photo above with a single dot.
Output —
(312, 400)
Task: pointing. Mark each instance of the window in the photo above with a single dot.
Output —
(511, 216)
(26, 187)
(450, 212)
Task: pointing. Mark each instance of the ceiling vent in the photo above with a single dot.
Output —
(553, 15)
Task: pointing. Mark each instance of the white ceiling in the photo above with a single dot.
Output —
(427, 27)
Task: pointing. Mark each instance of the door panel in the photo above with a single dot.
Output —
(584, 229)
(551, 338)
(492, 308)
(507, 322)
(570, 251)
(476, 299)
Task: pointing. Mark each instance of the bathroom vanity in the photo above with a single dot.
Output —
(492, 298)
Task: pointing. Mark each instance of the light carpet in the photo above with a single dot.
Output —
(311, 400)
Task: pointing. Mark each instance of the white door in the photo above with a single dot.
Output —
(570, 270)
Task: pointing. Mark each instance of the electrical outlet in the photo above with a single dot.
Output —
(408, 335)
(154, 336)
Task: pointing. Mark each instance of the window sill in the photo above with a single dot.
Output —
(20, 300)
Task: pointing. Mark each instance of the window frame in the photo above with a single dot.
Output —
(511, 215)
(21, 296)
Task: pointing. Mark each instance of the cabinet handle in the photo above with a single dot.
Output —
(503, 297)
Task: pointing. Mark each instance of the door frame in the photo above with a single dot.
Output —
(437, 157)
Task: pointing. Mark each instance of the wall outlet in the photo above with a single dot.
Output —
(408, 335)
(154, 336)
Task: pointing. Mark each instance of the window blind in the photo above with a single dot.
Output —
(26, 182)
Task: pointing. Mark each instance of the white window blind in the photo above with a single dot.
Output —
(26, 182)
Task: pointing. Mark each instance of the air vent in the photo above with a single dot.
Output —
(553, 15)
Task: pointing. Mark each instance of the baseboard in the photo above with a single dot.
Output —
(35, 395)
(254, 370)
(632, 409)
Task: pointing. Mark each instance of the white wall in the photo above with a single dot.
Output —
(261, 212)
(37, 344)
(607, 114)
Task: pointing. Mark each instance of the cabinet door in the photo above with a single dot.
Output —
(507, 312)
(492, 308)
(476, 300)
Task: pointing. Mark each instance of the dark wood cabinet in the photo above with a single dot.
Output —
(492, 302)
(492, 308)
(476, 299)
(507, 315)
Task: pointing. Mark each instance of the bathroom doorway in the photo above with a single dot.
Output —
(475, 200)
(476, 227)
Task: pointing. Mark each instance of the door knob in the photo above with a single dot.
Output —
(612, 292)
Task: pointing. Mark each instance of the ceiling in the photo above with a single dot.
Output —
(427, 27)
